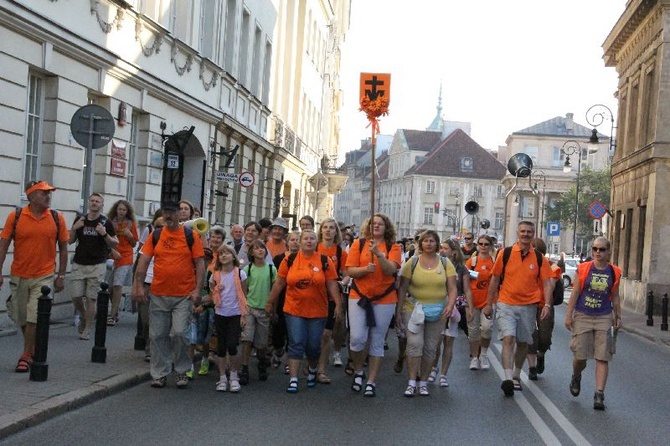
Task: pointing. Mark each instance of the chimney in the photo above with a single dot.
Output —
(569, 122)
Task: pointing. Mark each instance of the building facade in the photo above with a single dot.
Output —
(638, 48)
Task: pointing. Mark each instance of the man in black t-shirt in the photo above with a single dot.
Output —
(95, 237)
(469, 246)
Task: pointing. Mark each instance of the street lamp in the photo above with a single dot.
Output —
(595, 116)
(540, 218)
(457, 213)
(569, 148)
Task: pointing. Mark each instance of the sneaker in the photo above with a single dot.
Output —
(235, 386)
(532, 373)
(292, 386)
(599, 400)
(540, 364)
(337, 359)
(222, 385)
(576, 384)
(182, 380)
(244, 375)
(423, 391)
(204, 368)
(507, 387)
(111, 321)
(410, 391)
(400, 362)
(484, 362)
(517, 384)
(443, 381)
(159, 383)
(474, 363)
(190, 373)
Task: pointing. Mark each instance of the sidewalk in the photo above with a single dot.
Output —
(75, 381)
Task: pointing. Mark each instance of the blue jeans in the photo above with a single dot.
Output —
(304, 336)
(168, 331)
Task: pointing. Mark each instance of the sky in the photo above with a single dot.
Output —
(503, 65)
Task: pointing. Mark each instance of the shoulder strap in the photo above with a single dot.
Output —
(272, 267)
(156, 235)
(291, 259)
(444, 263)
(507, 252)
(188, 231)
(473, 261)
(539, 256)
(415, 261)
(324, 262)
(339, 258)
(17, 214)
(361, 244)
(54, 214)
(247, 270)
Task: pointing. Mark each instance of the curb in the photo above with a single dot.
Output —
(58, 405)
(645, 334)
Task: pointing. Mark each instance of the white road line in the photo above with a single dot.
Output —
(540, 426)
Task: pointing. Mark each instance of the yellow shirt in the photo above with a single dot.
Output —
(428, 286)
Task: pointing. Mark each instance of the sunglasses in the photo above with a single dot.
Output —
(597, 249)
(484, 244)
(467, 238)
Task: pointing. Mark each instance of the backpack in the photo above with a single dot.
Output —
(559, 290)
(415, 261)
(506, 255)
(188, 232)
(293, 255)
(339, 259)
(17, 214)
(247, 270)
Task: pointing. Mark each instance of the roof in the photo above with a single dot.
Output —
(421, 139)
(563, 126)
(444, 160)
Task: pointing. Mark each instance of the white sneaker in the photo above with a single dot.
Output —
(235, 386)
(433, 375)
(484, 362)
(474, 364)
(222, 386)
(337, 359)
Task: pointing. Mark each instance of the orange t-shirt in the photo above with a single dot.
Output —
(306, 293)
(174, 269)
(377, 282)
(332, 255)
(480, 287)
(276, 248)
(520, 284)
(124, 247)
(34, 242)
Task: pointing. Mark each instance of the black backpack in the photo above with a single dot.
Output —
(54, 214)
(293, 255)
(188, 232)
(559, 289)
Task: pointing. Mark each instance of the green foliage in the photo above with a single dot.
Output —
(594, 185)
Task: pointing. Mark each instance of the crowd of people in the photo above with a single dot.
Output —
(271, 296)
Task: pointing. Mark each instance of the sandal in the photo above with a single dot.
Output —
(111, 322)
(322, 378)
(410, 391)
(370, 391)
(349, 369)
(357, 386)
(23, 366)
(423, 391)
(84, 336)
(292, 386)
(286, 369)
(443, 381)
(517, 384)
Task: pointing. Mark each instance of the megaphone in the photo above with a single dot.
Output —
(471, 207)
(199, 225)
(485, 224)
(520, 165)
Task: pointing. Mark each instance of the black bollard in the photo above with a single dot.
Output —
(99, 352)
(39, 370)
(650, 309)
(664, 312)
(140, 342)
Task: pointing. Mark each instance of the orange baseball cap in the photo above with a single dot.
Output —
(39, 185)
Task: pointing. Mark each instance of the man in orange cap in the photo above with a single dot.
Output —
(36, 230)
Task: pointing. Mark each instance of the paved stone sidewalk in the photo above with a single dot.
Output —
(73, 380)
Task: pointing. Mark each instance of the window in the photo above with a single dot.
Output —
(244, 48)
(34, 128)
(229, 41)
(500, 191)
(498, 222)
(558, 158)
(478, 191)
(467, 164)
(255, 87)
(532, 152)
(430, 187)
(180, 20)
(208, 15)
(428, 213)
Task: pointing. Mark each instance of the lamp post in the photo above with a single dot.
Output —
(457, 214)
(595, 116)
(540, 214)
(569, 148)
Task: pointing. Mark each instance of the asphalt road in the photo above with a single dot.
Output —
(472, 411)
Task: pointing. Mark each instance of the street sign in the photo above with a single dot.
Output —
(92, 126)
(173, 161)
(227, 177)
(597, 210)
(246, 179)
(375, 85)
(553, 228)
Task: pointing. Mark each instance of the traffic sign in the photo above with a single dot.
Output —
(246, 179)
(597, 210)
(553, 228)
(227, 177)
(92, 126)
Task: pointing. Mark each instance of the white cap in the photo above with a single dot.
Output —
(416, 319)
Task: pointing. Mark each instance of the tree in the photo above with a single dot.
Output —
(594, 185)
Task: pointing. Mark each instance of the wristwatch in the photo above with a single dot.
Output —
(548, 305)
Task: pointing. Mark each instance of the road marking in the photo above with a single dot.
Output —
(540, 426)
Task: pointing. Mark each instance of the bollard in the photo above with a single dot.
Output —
(650, 309)
(39, 370)
(664, 312)
(99, 352)
(140, 342)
